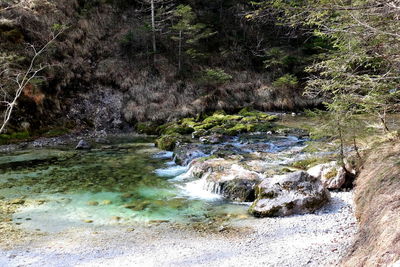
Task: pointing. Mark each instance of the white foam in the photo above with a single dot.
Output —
(163, 155)
(171, 171)
(196, 189)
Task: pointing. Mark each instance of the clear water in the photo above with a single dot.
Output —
(123, 182)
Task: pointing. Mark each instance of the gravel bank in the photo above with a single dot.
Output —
(309, 240)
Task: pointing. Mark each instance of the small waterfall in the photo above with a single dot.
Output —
(201, 188)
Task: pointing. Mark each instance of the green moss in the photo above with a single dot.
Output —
(188, 122)
(263, 127)
(56, 132)
(149, 128)
(331, 174)
(12, 137)
(206, 158)
(240, 128)
(255, 115)
(249, 119)
(168, 142)
(214, 118)
(177, 129)
(305, 163)
(204, 126)
(310, 162)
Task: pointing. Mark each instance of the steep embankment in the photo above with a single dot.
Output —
(101, 74)
(377, 199)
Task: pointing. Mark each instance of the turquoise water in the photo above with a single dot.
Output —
(123, 182)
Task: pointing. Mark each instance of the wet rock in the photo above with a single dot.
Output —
(256, 147)
(331, 175)
(300, 133)
(199, 133)
(17, 201)
(213, 139)
(293, 193)
(227, 178)
(83, 145)
(184, 154)
(226, 150)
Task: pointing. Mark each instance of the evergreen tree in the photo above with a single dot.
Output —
(188, 33)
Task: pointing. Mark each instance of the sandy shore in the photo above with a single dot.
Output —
(309, 240)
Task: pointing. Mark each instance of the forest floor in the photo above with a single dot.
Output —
(319, 239)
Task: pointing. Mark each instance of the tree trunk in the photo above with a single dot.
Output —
(153, 28)
(382, 117)
(180, 51)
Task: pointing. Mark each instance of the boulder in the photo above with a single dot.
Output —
(213, 139)
(227, 178)
(185, 153)
(82, 145)
(293, 193)
(331, 175)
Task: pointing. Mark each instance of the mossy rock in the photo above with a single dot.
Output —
(205, 126)
(149, 128)
(305, 163)
(310, 162)
(263, 127)
(177, 129)
(255, 114)
(168, 142)
(221, 117)
(251, 119)
(240, 128)
(188, 122)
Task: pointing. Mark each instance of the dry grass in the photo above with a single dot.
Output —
(377, 198)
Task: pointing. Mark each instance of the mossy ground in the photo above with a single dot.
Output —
(247, 120)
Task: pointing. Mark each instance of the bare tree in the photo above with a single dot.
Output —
(160, 12)
(22, 79)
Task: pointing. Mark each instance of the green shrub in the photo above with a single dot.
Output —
(215, 76)
(286, 81)
(11, 137)
(149, 128)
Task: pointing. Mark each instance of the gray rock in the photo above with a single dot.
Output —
(293, 193)
(185, 153)
(331, 175)
(83, 145)
(212, 139)
(226, 177)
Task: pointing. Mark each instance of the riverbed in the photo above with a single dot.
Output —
(124, 203)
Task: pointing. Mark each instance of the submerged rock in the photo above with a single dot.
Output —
(83, 145)
(293, 193)
(17, 201)
(92, 203)
(29, 158)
